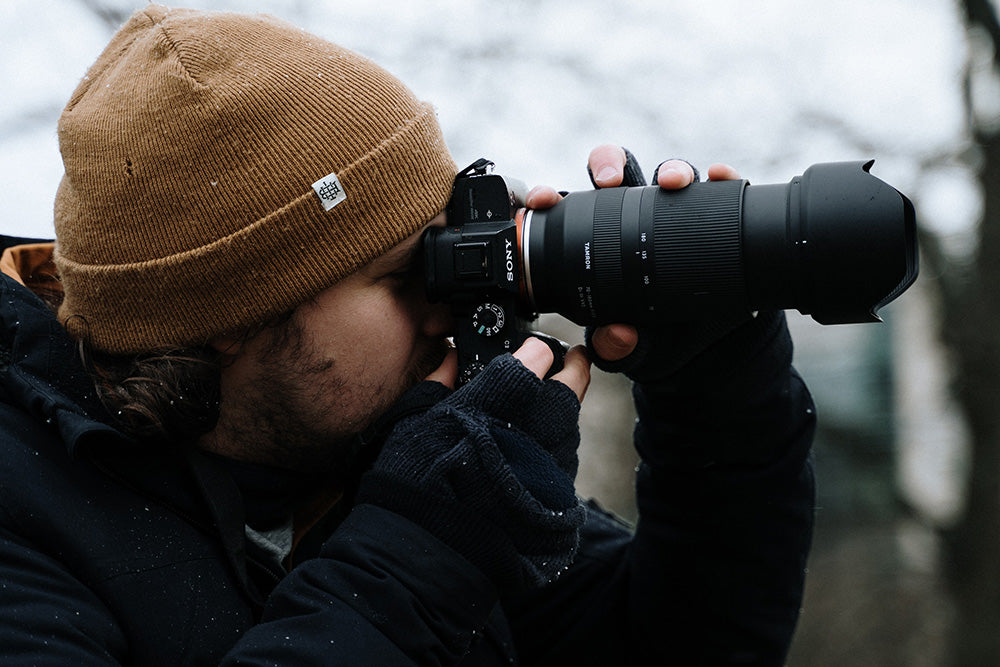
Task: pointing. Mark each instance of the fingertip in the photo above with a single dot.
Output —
(607, 164)
(674, 175)
(447, 372)
(542, 196)
(535, 355)
(575, 373)
(614, 342)
(723, 172)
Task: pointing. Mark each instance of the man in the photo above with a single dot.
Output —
(217, 446)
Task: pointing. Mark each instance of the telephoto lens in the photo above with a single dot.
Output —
(835, 243)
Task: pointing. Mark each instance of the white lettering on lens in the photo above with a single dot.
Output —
(586, 255)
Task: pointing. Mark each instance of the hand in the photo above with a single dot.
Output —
(536, 356)
(607, 164)
(489, 469)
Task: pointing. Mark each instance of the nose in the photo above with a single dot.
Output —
(438, 321)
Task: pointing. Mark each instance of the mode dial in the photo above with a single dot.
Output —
(488, 319)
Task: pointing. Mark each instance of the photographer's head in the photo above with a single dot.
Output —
(224, 169)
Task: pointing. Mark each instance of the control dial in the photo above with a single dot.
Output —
(472, 370)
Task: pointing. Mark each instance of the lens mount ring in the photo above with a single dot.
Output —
(525, 235)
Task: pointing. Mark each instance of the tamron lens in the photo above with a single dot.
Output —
(835, 243)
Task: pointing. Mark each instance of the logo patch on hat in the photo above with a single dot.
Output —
(330, 191)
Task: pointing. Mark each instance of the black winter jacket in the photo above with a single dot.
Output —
(114, 554)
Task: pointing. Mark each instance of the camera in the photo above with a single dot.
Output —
(835, 243)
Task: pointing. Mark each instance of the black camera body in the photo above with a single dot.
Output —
(474, 263)
(836, 243)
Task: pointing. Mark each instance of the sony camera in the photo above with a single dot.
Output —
(835, 243)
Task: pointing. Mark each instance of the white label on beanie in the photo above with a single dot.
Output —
(330, 191)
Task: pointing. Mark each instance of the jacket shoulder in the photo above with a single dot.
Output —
(11, 241)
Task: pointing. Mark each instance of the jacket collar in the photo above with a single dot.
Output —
(40, 372)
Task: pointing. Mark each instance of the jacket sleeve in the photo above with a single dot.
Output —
(47, 616)
(382, 588)
(714, 571)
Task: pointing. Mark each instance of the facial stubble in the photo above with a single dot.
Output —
(283, 418)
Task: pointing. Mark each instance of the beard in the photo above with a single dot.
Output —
(303, 413)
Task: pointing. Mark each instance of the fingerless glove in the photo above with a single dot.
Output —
(489, 471)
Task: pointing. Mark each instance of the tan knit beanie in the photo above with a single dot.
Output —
(222, 168)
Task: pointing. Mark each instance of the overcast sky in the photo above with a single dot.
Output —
(770, 86)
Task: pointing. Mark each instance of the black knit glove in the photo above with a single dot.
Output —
(728, 406)
(489, 471)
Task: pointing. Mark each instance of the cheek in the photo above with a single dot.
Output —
(378, 329)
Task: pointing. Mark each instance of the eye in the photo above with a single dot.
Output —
(402, 277)
(399, 270)
(408, 273)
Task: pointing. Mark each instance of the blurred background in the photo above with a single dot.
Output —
(906, 564)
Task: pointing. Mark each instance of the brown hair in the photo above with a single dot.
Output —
(170, 396)
(165, 397)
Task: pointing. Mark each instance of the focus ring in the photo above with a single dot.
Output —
(697, 243)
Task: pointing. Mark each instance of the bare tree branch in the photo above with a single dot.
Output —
(981, 13)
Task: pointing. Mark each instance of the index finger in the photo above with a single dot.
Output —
(447, 372)
(542, 196)
(722, 172)
(575, 373)
(535, 356)
(674, 175)
(607, 165)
